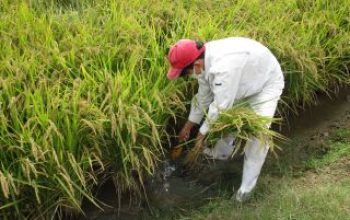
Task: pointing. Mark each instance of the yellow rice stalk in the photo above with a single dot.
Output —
(243, 123)
(4, 185)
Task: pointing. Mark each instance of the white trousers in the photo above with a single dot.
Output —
(265, 104)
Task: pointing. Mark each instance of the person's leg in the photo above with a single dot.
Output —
(255, 151)
(254, 158)
(222, 150)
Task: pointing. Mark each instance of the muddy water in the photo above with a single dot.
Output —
(179, 191)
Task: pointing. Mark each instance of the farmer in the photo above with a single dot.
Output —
(229, 70)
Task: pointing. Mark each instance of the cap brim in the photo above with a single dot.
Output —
(173, 73)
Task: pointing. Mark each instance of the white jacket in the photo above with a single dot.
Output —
(235, 68)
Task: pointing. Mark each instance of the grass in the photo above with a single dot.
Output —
(288, 201)
(83, 91)
(339, 147)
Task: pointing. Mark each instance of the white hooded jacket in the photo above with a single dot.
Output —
(235, 68)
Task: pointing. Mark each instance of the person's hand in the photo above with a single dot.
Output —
(185, 131)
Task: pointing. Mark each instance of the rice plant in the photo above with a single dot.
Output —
(83, 91)
(243, 123)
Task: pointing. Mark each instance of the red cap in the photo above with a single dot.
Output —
(183, 53)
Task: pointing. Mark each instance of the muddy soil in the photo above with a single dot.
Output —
(306, 133)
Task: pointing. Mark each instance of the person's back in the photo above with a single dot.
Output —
(259, 67)
(235, 44)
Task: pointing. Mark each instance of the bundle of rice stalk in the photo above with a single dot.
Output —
(243, 123)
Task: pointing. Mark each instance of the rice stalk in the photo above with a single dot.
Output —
(83, 91)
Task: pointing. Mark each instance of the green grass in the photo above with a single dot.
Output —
(286, 201)
(339, 147)
(83, 91)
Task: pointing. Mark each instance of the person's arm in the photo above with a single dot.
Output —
(227, 76)
(199, 105)
(200, 102)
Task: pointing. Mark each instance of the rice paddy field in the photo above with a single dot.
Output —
(84, 94)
